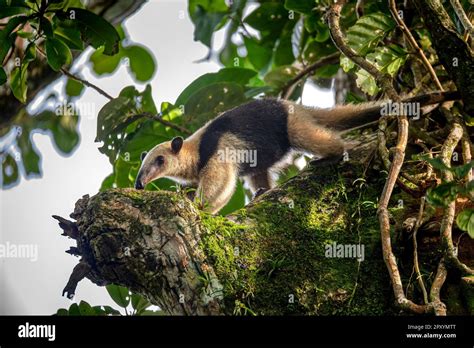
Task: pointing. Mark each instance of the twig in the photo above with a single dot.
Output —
(331, 59)
(415, 251)
(86, 83)
(413, 43)
(77, 78)
(463, 18)
(160, 119)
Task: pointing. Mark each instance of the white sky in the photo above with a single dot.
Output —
(28, 287)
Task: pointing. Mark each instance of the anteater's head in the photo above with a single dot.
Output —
(161, 161)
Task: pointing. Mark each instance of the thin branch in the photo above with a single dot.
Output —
(331, 59)
(160, 119)
(77, 78)
(415, 251)
(413, 43)
(86, 83)
(463, 18)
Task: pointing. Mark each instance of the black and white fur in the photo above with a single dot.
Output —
(272, 128)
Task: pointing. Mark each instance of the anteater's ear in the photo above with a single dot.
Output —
(142, 156)
(176, 144)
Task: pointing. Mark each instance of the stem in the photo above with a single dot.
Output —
(74, 77)
(463, 18)
(415, 251)
(331, 59)
(413, 43)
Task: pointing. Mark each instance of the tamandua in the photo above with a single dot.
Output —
(268, 128)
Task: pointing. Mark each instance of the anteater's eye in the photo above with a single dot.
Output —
(160, 160)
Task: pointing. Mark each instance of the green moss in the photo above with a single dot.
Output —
(277, 264)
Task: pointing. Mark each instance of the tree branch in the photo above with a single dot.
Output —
(331, 59)
(413, 43)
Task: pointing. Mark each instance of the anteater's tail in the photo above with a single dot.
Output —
(350, 116)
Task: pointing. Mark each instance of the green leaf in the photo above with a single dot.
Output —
(111, 311)
(236, 202)
(46, 27)
(58, 53)
(119, 294)
(9, 170)
(139, 303)
(86, 309)
(461, 171)
(95, 30)
(465, 221)
(149, 312)
(29, 155)
(236, 75)
(3, 76)
(365, 34)
(18, 85)
(30, 52)
(62, 312)
(70, 36)
(278, 77)
(387, 59)
(284, 48)
(207, 16)
(65, 134)
(259, 54)
(74, 310)
(107, 183)
(302, 6)
(269, 16)
(7, 38)
(442, 194)
(142, 63)
(74, 88)
(98, 311)
(368, 31)
(215, 98)
(10, 8)
(104, 64)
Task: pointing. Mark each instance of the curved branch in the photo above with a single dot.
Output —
(331, 59)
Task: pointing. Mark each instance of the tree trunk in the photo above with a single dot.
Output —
(272, 257)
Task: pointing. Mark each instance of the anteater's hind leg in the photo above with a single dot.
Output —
(320, 141)
(260, 182)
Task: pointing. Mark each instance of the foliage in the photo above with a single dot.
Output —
(132, 304)
(57, 31)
